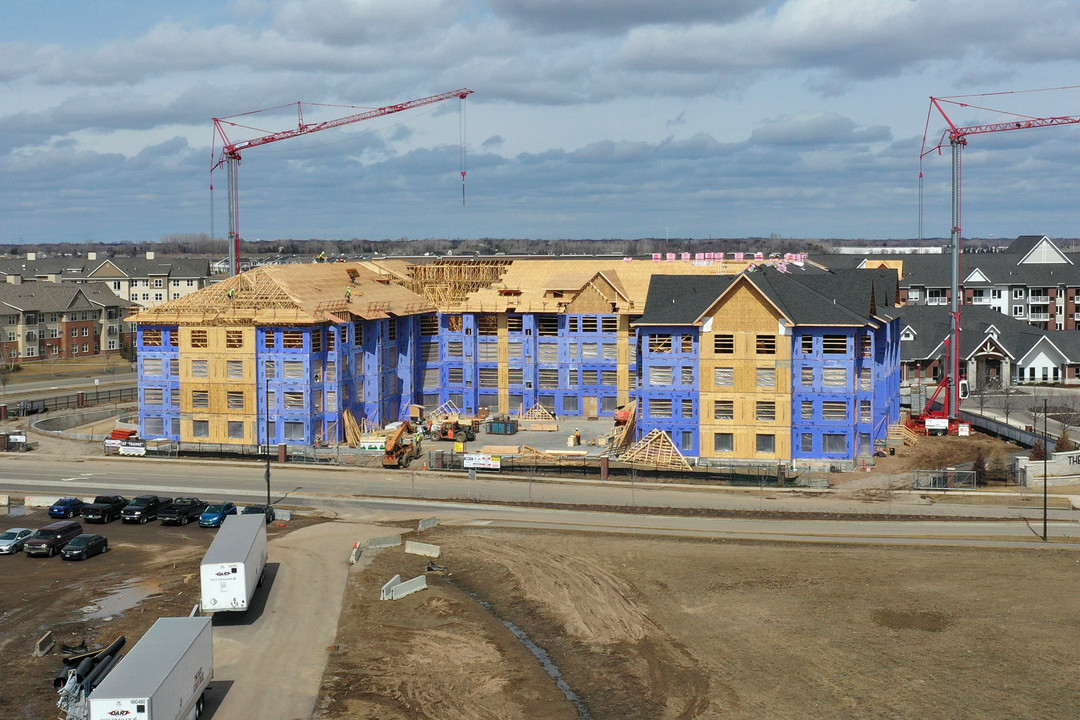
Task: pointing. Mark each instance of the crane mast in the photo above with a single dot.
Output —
(957, 140)
(230, 154)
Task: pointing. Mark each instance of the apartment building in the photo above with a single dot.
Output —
(1032, 280)
(279, 353)
(44, 320)
(771, 365)
(146, 281)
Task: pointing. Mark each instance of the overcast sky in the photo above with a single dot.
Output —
(590, 118)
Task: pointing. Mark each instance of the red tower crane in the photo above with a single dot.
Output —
(956, 137)
(230, 151)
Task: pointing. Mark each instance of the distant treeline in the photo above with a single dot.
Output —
(202, 245)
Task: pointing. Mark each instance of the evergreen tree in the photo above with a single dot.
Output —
(978, 466)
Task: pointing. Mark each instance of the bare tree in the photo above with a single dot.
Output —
(1034, 408)
(987, 385)
(1008, 400)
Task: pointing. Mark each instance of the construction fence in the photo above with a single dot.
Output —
(748, 475)
(946, 479)
(82, 399)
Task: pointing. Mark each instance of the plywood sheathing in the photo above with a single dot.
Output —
(291, 295)
(551, 285)
(656, 450)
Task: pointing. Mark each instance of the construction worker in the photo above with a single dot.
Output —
(577, 436)
(232, 293)
(348, 294)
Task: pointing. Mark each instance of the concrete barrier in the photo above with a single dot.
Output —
(387, 590)
(408, 587)
(283, 515)
(40, 501)
(383, 542)
(418, 548)
(44, 645)
(427, 523)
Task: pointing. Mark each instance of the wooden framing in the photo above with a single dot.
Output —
(656, 450)
(536, 412)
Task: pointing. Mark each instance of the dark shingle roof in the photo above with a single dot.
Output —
(57, 297)
(806, 297)
(931, 325)
(681, 299)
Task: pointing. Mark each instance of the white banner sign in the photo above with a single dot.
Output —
(483, 462)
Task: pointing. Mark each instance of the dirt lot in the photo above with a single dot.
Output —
(150, 572)
(672, 628)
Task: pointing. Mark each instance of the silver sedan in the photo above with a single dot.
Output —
(12, 540)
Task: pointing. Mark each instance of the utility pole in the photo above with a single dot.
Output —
(267, 426)
(1046, 453)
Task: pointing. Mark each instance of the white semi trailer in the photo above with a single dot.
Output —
(163, 677)
(233, 565)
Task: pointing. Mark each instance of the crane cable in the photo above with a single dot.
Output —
(461, 144)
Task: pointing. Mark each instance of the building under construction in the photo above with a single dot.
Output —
(295, 354)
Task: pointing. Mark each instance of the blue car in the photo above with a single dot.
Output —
(215, 514)
(66, 508)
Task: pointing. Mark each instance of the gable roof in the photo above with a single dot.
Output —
(59, 297)
(291, 295)
(931, 324)
(804, 297)
(1026, 246)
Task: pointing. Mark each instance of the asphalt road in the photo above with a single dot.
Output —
(269, 662)
(375, 495)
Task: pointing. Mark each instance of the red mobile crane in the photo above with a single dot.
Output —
(957, 139)
(230, 151)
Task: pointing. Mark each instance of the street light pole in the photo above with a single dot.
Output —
(266, 427)
(1046, 453)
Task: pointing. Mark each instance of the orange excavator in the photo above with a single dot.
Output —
(402, 447)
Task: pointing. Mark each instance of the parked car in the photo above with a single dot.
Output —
(52, 538)
(266, 511)
(67, 507)
(12, 539)
(181, 511)
(84, 547)
(216, 513)
(105, 508)
(143, 508)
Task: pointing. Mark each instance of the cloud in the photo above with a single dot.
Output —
(609, 17)
(818, 129)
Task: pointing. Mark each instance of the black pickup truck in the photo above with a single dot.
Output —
(104, 509)
(181, 511)
(143, 508)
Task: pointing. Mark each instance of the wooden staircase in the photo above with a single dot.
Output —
(901, 432)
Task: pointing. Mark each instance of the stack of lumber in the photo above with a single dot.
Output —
(543, 427)
(353, 432)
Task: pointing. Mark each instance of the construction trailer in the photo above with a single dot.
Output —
(283, 355)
